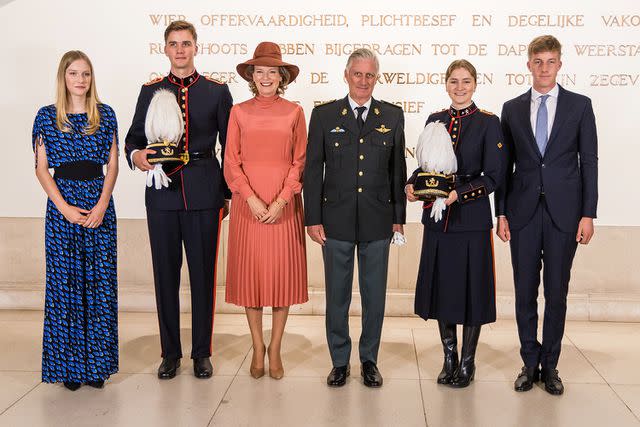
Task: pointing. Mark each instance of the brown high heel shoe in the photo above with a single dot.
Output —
(255, 371)
(276, 374)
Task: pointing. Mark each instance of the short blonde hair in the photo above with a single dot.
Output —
(546, 43)
(179, 26)
(282, 86)
(62, 95)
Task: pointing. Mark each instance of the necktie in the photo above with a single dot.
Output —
(542, 122)
(359, 119)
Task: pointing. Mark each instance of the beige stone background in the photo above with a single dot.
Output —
(605, 284)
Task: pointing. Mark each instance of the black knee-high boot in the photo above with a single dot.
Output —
(466, 371)
(449, 340)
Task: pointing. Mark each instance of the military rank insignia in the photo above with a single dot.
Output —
(376, 111)
(383, 129)
(500, 145)
(344, 112)
(337, 129)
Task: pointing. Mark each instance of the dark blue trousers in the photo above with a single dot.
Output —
(540, 243)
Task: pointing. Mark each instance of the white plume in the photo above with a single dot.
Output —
(434, 151)
(164, 118)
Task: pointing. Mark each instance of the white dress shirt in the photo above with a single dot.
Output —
(552, 103)
(354, 105)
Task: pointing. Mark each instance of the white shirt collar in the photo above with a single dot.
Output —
(552, 93)
(354, 104)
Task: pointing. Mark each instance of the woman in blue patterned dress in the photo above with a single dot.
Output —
(76, 137)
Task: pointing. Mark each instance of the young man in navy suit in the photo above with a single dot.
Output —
(548, 204)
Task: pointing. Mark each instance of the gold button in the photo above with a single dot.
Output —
(184, 114)
(453, 136)
(360, 190)
(184, 90)
(466, 197)
(361, 140)
(453, 128)
(473, 194)
(183, 106)
(336, 144)
(361, 156)
(183, 98)
(360, 173)
(325, 199)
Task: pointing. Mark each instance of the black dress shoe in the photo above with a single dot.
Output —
(202, 367)
(526, 378)
(371, 375)
(338, 376)
(96, 384)
(168, 368)
(73, 386)
(552, 382)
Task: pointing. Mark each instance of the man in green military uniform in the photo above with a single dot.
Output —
(354, 198)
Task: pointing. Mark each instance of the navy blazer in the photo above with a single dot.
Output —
(567, 174)
(205, 104)
(481, 156)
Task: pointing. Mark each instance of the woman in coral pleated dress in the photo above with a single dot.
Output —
(263, 165)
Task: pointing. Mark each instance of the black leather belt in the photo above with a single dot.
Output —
(463, 179)
(199, 155)
(80, 170)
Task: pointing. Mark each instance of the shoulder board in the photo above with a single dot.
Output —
(389, 103)
(154, 81)
(486, 112)
(325, 103)
(211, 79)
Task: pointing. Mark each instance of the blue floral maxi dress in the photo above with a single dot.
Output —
(80, 339)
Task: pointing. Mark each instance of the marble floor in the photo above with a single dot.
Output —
(598, 366)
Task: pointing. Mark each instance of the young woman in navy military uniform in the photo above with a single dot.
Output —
(456, 279)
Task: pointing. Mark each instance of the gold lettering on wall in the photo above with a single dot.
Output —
(620, 20)
(240, 20)
(407, 20)
(398, 49)
(557, 21)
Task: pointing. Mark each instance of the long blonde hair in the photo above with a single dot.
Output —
(62, 95)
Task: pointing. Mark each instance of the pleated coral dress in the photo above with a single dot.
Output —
(265, 155)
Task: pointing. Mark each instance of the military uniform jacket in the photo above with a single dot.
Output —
(205, 106)
(482, 159)
(354, 180)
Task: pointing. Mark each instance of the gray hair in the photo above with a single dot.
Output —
(360, 54)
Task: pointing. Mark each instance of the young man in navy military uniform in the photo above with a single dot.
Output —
(354, 197)
(191, 208)
(548, 204)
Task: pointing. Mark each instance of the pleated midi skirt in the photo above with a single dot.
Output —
(456, 278)
(266, 263)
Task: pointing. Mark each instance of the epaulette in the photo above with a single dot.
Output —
(211, 79)
(389, 103)
(486, 112)
(325, 103)
(154, 81)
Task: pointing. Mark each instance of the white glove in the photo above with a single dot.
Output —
(398, 239)
(157, 174)
(437, 209)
